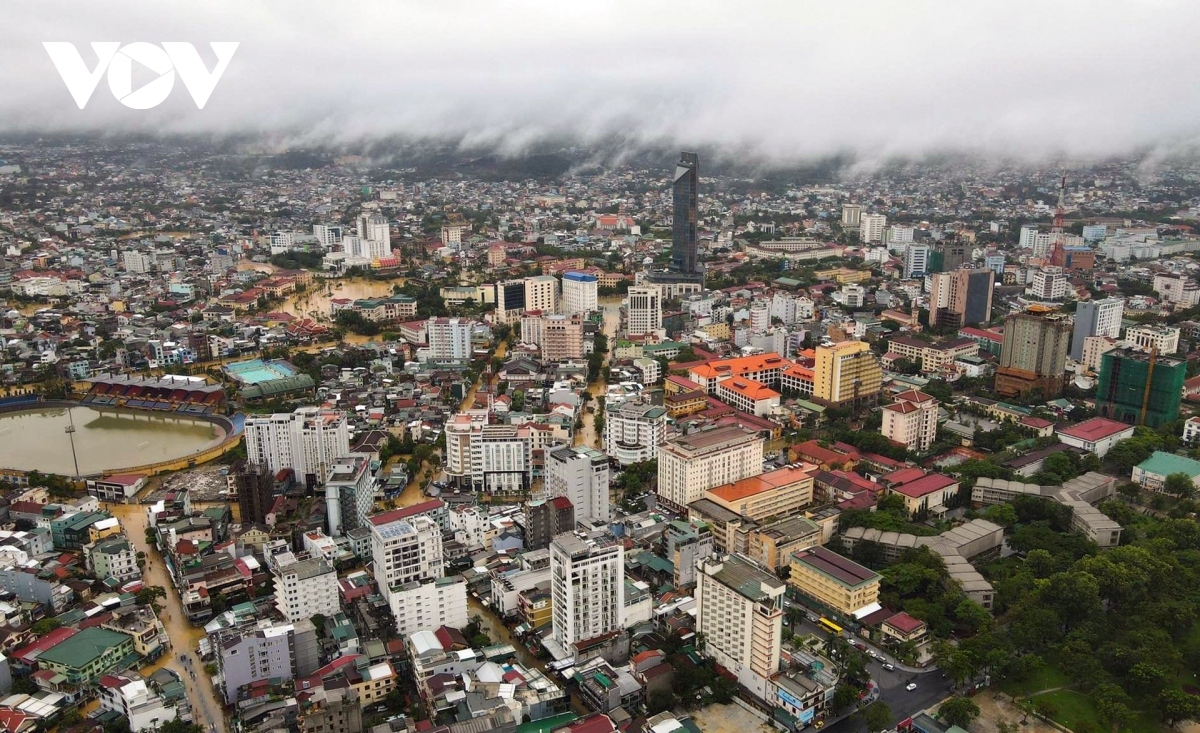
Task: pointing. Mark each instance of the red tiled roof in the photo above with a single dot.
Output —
(1098, 428)
(904, 623)
(925, 485)
(45, 642)
(408, 511)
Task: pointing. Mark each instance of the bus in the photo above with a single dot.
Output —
(831, 626)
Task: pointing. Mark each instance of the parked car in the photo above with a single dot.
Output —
(889, 667)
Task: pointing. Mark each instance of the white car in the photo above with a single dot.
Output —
(911, 686)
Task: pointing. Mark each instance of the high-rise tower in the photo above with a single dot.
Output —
(684, 275)
(683, 229)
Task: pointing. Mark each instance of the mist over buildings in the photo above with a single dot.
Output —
(775, 81)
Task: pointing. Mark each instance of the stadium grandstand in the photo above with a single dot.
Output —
(188, 395)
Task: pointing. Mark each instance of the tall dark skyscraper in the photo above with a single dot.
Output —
(684, 274)
(683, 230)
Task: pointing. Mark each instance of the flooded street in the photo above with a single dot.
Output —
(612, 319)
(206, 707)
(499, 633)
(314, 302)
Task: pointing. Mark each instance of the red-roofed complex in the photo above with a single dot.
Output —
(764, 368)
(924, 495)
(748, 395)
(1097, 435)
(777, 493)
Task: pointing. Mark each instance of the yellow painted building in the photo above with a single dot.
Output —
(716, 330)
(847, 373)
(684, 404)
(843, 275)
(834, 581)
(536, 606)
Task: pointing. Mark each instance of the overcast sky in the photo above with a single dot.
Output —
(790, 79)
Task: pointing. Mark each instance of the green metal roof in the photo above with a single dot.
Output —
(1165, 464)
(82, 649)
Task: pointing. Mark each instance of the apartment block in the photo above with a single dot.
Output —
(306, 588)
(911, 420)
(1034, 355)
(349, 493)
(581, 475)
(739, 609)
(307, 441)
(587, 583)
(633, 431)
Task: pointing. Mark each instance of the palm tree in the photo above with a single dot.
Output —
(794, 616)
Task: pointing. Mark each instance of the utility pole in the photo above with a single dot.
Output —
(70, 431)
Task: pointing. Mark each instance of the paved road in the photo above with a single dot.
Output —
(931, 689)
(206, 708)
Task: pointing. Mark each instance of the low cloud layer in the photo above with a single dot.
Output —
(785, 80)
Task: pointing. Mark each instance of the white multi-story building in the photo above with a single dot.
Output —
(806, 308)
(329, 235)
(307, 441)
(644, 309)
(501, 458)
(1191, 431)
(739, 609)
(580, 293)
(1149, 336)
(916, 259)
(783, 307)
(430, 604)
(587, 586)
(1049, 284)
(689, 465)
(911, 420)
(137, 263)
(871, 227)
(633, 431)
(541, 293)
(1096, 318)
(136, 702)
(263, 653)
(349, 493)
(404, 549)
(760, 317)
(374, 227)
(581, 475)
(901, 234)
(1029, 234)
(449, 340)
(854, 295)
(282, 242)
(306, 588)
(1179, 290)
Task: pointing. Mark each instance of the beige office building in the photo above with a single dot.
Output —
(688, 465)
